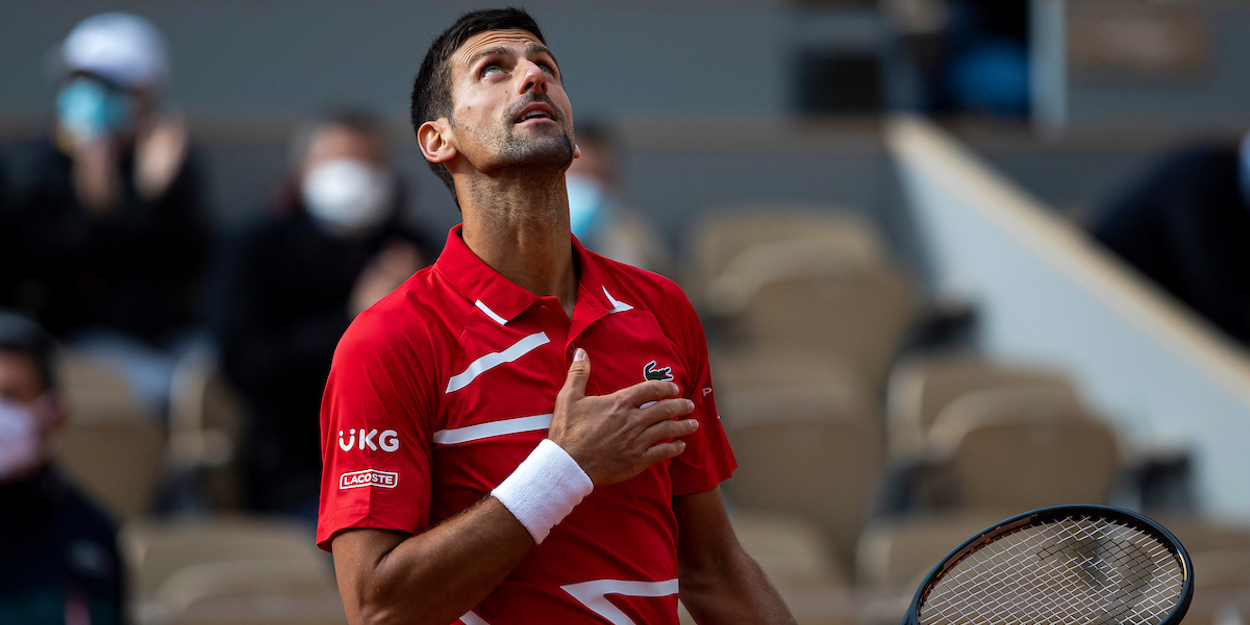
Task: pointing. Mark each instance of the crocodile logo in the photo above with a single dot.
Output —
(650, 372)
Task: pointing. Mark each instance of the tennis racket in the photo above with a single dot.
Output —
(1063, 565)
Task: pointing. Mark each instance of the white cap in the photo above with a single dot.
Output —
(126, 49)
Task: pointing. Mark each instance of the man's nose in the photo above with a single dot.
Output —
(533, 78)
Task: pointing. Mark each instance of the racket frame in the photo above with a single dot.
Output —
(1010, 525)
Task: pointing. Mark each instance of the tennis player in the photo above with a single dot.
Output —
(525, 432)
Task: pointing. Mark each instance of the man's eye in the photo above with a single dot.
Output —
(491, 69)
(547, 68)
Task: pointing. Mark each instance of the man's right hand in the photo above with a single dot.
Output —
(612, 437)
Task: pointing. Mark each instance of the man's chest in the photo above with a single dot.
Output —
(516, 371)
(499, 396)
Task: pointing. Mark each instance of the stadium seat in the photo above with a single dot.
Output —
(1205, 535)
(795, 459)
(1006, 451)
(157, 551)
(717, 239)
(206, 417)
(818, 384)
(893, 555)
(1221, 587)
(920, 388)
(858, 314)
(95, 391)
(117, 462)
(793, 551)
(763, 367)
(253, 592)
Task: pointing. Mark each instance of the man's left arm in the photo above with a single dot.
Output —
(719, 583)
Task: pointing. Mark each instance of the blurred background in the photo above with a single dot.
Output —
(957, 259)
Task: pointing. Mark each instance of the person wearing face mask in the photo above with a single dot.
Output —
(102, 231)
(58, 562)
(336, 241)
(597, 216)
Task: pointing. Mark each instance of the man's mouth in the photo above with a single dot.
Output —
(535, 111)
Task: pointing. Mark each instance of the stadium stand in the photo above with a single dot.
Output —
(198, 569)
(793, 445)
(117, 462)
(921, 387)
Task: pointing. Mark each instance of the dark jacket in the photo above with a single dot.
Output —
(137, 270)
(59, 552)
(1186, 225)
(278, 303)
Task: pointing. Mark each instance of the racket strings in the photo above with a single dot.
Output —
(1081, 571)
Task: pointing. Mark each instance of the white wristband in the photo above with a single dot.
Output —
(544, 489)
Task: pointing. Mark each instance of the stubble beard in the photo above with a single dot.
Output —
(551, 151)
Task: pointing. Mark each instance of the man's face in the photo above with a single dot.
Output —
(509, 108)
(19, 377)
(27, 416)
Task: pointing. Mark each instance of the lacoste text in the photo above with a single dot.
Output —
(368, 477)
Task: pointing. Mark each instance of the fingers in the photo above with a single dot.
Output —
(663, 451)
(651, 390)
(579, 372)
(665, 410)
(665, 430)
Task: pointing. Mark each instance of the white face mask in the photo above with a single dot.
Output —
(21, 435)
(346, 196)
(589, 209)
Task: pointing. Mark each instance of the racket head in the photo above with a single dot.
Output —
(1052, 514)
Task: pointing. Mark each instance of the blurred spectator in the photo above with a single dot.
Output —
(1186, 225)
(335, 242)
(101, 231)
(597, 216)
(58, 562)
(972, 54)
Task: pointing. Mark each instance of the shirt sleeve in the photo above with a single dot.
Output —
(375, 431)
(707, 460)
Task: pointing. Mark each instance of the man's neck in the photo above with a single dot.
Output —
(519, 226)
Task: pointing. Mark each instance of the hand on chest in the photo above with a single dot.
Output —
(515, 371)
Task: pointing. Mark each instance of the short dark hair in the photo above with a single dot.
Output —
(22, 335)
(357, 120)
(431, 91)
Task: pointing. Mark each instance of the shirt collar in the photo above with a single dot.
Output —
(501, 297)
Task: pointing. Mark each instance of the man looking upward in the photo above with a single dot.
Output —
(476, 467)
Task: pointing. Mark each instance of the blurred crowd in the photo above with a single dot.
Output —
(107, 251)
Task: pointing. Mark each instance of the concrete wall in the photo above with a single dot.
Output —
(232, 57)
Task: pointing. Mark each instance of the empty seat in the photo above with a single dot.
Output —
(205, 414)
(1003, 452)
(1206, 535)
(95, 391)
(206, 418)
(919, 389)
(156, 550)
(718, 238)
(860, 315)
(116, 462)
(893, 556)
(249, 592)
(764, 367)
(793, 551)
(1221, 587)
(818, 381)
(804, 462)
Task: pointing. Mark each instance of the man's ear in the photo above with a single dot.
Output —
(436, 141)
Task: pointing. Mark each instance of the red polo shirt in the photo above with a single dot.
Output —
(439, 391)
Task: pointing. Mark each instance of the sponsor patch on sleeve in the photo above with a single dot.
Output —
(368, 477)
